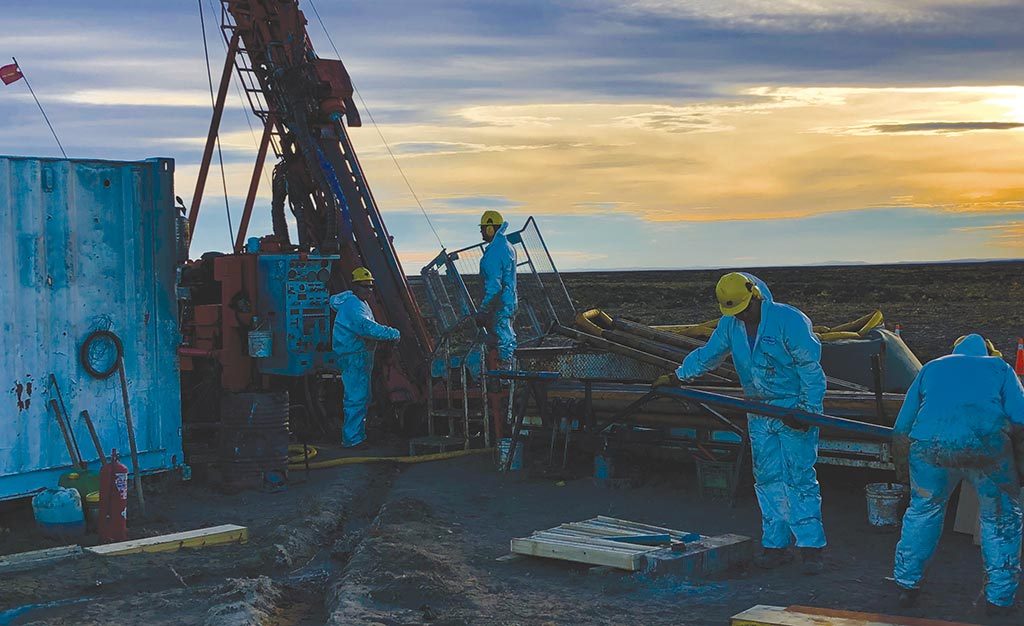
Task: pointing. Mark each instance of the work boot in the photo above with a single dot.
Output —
(813, 563)
(908, 597)
(994, 610)
(772, 558)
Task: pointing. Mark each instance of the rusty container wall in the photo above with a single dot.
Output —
(85, 245)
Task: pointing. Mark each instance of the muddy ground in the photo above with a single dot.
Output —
(418, 544)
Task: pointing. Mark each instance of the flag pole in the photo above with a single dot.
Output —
(30, 90)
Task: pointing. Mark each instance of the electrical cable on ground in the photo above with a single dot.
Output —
(296, 463)
(213, 102)
(377, 128)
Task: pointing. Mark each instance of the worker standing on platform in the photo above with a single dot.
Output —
(777, 357)
(956, 424)
(497, 310)
(355, 335)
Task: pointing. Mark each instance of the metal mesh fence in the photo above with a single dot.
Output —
(588, 363)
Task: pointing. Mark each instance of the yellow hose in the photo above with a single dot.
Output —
(594, 321)
(356, 460)
(297, 454)
(850, 330)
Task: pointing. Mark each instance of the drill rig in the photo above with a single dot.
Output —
(274, 290)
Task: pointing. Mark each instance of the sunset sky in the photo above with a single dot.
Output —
(640, 133)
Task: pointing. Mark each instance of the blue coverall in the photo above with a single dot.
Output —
(354, 339)
(498, 272)
(781, 367)
(957, 415)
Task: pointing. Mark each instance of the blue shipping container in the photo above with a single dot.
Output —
(85, 245)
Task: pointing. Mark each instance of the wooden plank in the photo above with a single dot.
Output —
(596, 530)
(763, 615)
(885, 619)
(36, 558)
(579, 554)
(216, 535)
(590, 541)
(645, 540)
(639, 526)
(506, 558)
(615, 535)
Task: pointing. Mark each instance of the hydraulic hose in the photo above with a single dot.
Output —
(357, 460)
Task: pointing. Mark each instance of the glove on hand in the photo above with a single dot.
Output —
(901, 458)
(666, 380)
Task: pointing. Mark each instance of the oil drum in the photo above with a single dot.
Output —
(253, 439)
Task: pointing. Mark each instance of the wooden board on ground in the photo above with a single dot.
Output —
(36, 558)
(216, 535)
(764, 615)
(595, 542)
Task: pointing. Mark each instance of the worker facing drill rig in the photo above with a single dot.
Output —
(355, 335)
(497, 310)
(957, 423)
(778, 359)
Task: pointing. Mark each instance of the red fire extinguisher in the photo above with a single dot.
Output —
(113, 522)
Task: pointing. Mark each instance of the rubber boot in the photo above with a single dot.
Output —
(908, 597)
(994, 610)
(772, 558)
(813, 561)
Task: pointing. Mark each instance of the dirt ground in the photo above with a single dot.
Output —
(934, 303)
(417, 544)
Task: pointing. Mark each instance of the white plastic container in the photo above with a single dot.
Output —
(58, 512)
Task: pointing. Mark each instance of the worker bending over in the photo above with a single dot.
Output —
(497, 310)
(356, 334)
(956, 423)
(777, 357)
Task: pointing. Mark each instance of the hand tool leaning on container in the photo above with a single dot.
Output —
(777, 357)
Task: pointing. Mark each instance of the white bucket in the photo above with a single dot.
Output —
(261, 343)
(886, 503)
(517, 459)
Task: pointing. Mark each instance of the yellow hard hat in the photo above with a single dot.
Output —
(734, 292)
(991, 347)
(491, 218)
(362, 275)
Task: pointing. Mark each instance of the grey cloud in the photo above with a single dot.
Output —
(945, 127)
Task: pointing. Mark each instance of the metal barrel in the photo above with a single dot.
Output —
(253, 438)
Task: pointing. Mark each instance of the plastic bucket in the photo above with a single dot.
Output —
(517, 459)
(261, 343)
(886, 502)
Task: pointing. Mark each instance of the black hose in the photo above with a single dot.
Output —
(83, 353)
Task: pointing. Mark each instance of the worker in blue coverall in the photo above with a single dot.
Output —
(777, 357)
(497, 310)
(958, 421)
(355, 336)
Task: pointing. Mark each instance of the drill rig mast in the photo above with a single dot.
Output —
(304, 103)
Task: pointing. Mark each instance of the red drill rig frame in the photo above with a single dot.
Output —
(302, 101)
